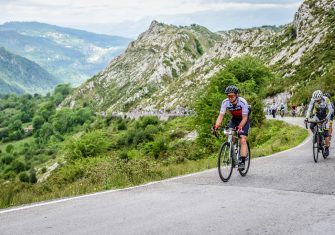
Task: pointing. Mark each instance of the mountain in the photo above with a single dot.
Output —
(20, 75)
(70, 55)
(167, 66)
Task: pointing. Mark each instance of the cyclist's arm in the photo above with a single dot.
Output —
(309, 110)
(245, 113)
(222, 113)
(330, 109)
(244, 120)
(219, 120)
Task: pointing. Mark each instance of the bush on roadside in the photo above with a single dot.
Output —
(91, 144)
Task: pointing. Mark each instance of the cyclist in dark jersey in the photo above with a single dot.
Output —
(239, 109)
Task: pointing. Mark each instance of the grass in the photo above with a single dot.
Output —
(17, 144)
(88, 175)
(280, 136)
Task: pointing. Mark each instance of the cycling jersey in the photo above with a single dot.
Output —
(323, 110)
(238, 110)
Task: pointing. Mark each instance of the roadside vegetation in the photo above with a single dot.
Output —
(93, 153)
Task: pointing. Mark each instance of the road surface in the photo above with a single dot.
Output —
(286, 193)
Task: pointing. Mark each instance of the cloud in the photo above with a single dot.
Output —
(105, 12)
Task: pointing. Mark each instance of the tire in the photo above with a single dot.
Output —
(247, 163)
(316, 147)
(225, 162)
(323, 150)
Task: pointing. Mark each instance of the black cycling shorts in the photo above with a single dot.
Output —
(235, 122)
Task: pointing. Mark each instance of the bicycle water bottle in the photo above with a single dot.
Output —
(237, 154)
(235, 150)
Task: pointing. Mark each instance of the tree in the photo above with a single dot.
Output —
(38, 121)
(247, 73)
(16, 131)
(46, 131)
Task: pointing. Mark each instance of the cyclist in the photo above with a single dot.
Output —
(239, 109)
(332, 116)
(320, 107)
(273, 109)
(282, 109)
(294, 110)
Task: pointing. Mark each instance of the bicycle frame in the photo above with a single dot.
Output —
(318, 138)
(235, 147)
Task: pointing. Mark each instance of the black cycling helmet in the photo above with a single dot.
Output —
(231, 89)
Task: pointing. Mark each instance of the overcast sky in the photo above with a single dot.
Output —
(131, 17)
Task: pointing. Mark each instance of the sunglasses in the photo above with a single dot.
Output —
(231, 96)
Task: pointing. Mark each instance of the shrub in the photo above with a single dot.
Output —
(123, 155)
(43, 170)
(18, 166)
(156, 148)
(9, 175)
(122, 126)
(24, 177)
(91, 144)
(143, 122)
(7, 159)
(9, 148)
(32, 176)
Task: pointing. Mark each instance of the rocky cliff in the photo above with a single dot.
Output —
(167, 66)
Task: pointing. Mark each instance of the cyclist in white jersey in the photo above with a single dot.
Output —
(320, 108)
(239, 109)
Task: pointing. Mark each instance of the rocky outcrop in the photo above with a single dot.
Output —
(167, 66)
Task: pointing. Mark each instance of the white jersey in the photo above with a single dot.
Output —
(238, 110)
(324, 109)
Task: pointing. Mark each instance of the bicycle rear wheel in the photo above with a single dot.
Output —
(323, 148)
(315, 146)
(247, 163)
(225, 162)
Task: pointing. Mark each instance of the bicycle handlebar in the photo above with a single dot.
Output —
(222, 129)
(316, 122)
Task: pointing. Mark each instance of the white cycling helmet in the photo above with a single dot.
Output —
(317, 95)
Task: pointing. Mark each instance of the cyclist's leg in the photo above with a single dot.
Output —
(232, 124)
(311, 126)
(243, 140)
(326, 134)
(331, 126)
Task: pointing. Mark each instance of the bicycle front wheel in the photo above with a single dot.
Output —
(225, 161)
(315, 146)
(247, 163)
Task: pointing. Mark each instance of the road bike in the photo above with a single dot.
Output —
(318, 139)
(229, 155)
(282, 113)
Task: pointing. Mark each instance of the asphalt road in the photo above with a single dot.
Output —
(286, 193)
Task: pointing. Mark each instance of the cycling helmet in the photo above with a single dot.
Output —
(317, 95)
(231, 89)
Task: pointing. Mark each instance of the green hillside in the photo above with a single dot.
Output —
(20, 75)
(70, 55)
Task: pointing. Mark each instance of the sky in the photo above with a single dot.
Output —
(131, 17)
